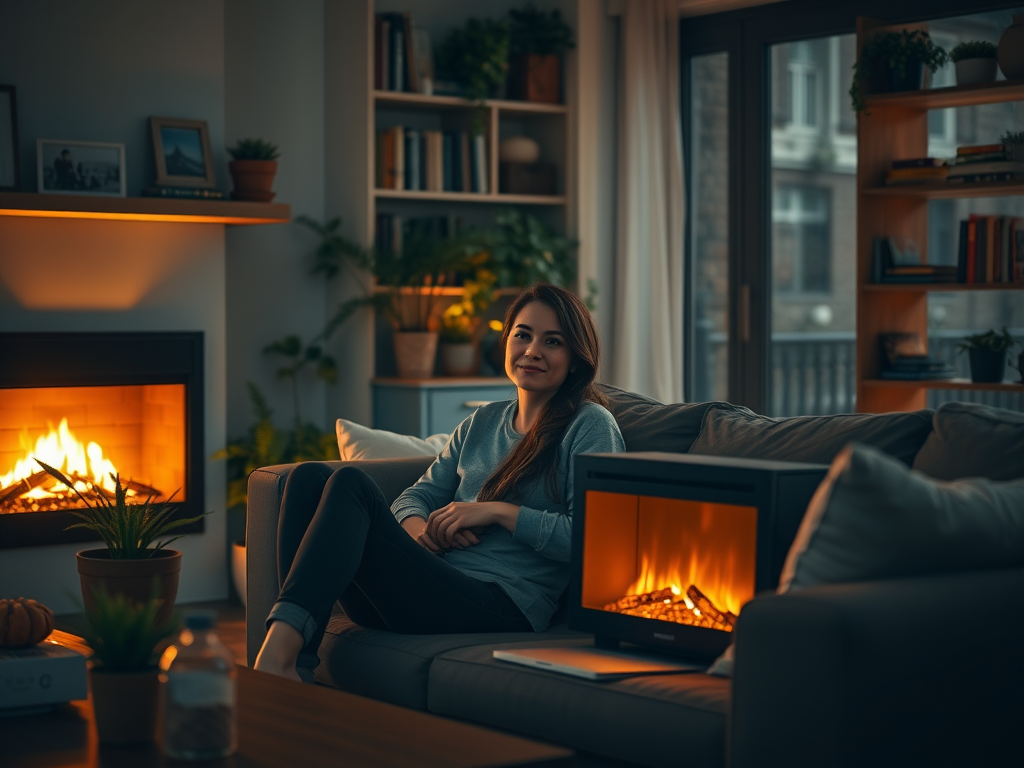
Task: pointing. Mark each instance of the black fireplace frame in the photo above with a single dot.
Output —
(101, 358)
(780, 491)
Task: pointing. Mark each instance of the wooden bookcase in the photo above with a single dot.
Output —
(897, 127)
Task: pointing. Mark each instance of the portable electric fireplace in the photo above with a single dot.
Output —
(95, 405)
(668, 547)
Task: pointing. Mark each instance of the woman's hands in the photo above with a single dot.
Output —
(416, 527)
(456, 524)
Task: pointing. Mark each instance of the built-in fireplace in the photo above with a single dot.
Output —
(668, 547)
(95, 405)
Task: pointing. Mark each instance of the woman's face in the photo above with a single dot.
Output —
(537, 358)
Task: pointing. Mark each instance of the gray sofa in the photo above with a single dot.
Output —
(910, 671)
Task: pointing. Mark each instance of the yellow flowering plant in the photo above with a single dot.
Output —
(461, 322)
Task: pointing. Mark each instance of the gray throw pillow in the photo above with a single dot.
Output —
(969, 440)
(649, 425)
(731, 430)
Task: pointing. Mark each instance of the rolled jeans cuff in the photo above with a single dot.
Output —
(294, 616)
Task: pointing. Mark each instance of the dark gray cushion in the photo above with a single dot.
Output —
(969, 440)
(648, 425)
(393, 667)
(655, 720)
(731, 430)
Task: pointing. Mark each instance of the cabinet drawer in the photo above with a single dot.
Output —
(448, 407)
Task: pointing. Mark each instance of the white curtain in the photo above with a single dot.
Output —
(647, 353)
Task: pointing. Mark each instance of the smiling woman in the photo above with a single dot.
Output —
(481, 542)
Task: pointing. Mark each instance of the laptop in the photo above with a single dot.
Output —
(596, 663)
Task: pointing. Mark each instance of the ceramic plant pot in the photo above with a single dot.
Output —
(518, 149)
(124, 705)
(910, 79)
(1011, 49)
(253, 179)
(459, 359)
(971, 71)
(132, 578)
(415, 353)
(987, 367)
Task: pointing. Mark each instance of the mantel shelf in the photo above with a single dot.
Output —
(230, 212)
(953, 96)
(961, 384)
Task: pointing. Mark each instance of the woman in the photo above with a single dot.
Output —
(481, 542)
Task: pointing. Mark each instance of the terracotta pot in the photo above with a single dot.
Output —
(1011, 49)
(971, 71)
(987, 367)
(460, 359)
(124, 705)
(132, 578)
(415, 353)
(536, 78)
(238, 569)
(253, 179)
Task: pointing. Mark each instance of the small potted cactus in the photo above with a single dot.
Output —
(253, 166)
(975, 62)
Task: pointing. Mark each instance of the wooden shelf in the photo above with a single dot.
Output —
(936, 287)
(231, 212)
(445, 290)
(949, 191)
(400, 98)
(469, 197)
(961, 384)
(953, 96)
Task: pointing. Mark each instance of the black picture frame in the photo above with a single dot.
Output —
(10, 177)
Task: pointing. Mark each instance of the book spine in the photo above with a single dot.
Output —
(961, 259)
(980, 148)
(412, 80)
(972, 247)
(397, 54)
(380, 158)
(919, 162)
(467, 183)
(480, 144)
(385, 53)
(398, 172)
(378, 83)
(446, 162)
(991, 240)
(1005, 268)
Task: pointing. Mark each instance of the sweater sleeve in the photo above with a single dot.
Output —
(438, 484)
(549, 531)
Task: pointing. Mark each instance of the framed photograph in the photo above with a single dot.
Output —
(182, 150)
(8, 139)
(80, 167)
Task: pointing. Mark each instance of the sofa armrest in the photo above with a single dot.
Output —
(923, 671)
(266, 487)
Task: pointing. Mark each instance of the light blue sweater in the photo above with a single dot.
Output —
(532, 566)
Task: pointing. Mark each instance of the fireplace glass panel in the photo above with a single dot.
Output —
(690, 562)
(137, 431)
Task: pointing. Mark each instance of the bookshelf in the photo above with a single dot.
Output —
(897, 127)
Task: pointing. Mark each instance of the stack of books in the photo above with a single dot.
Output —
(187, 193)
(983, 162)
(904, 358)
(432, 161)
(991, 250)
(918, 170)
(893, 265)
(403, 60)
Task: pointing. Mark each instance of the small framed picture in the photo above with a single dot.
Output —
(8, 139)
(80, 167)
(182, 151)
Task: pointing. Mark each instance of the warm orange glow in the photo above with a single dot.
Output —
(61, 449)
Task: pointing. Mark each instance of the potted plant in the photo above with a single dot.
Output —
(537, 41)
(124, 636)
(523, 250)
(131, 560)
(975, 62)
(1013, 143)
(462, 328)
(253, 166)
(988, 355)
(894, 61)
(475, 57)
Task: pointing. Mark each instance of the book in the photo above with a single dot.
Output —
(979, 157)
(412, 159)
(423, 60)
(412, 78)
(993, 166)
(973, 149)
(185, 193)
(480, 151)
(398, 160)
(933, 172)
(919, 162)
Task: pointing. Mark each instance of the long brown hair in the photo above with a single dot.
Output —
(536, 454)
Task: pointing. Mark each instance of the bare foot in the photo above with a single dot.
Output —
(280, 651)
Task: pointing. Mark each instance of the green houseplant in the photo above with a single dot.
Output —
(975, 62)
(462, 326)
(894, 61)
(125, 637)
(523, 250)
(537, 40)
(133, 557)
(1013, 141)
(475, 56)
(988, 354)
(253, 167)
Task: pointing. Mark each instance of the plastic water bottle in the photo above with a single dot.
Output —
(197, 682)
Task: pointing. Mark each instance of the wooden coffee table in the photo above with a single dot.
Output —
(287, 724)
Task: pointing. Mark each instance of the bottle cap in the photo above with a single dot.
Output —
(199, 620)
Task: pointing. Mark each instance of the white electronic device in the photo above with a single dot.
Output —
(39, 677)
(596, 663)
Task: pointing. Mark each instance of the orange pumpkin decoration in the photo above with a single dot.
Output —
(24, 622)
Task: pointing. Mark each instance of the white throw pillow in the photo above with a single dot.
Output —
(873, 518)
(357, 442)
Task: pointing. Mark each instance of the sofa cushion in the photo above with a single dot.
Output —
(393, 667)
(655, 720)
(969, 440)
(731, 430)
(358, 443)
(649, 425)
(873, 518)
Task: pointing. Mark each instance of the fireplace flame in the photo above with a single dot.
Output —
(59, 448)
(712, 573)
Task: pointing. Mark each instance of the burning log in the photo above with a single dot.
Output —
(701, 601)
(694, 608)
(23, 486)
(13, 500)
(635, 601)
